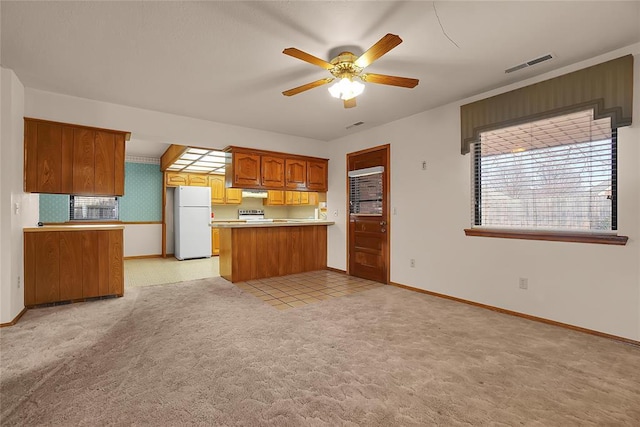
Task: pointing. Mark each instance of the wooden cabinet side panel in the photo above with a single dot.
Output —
(215, 241)
(90, 267)
(118, 164)
(83, 161)
(30, 157)
(49, 158)
(70, 265)
(104, 169)
(30, 244)
(116, 263)
(47, 284)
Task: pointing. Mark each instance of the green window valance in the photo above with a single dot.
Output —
(607, 87)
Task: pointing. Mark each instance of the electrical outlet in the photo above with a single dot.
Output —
(523, 283)
(18, 282)
(335, 213)
(424, 165)
(412, 263)
(395, 211)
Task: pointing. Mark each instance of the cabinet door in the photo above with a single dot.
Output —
(174, 179)
(233, 196)
(274, 198)
(272, 171)
(216, 182)
(197, 180)
(292, 197)
(104, 173)
(48, 150)
(47, 280)
(215, 241)
(304, 198)
(317, 175)
(295, 173)
(90, 264)
(71, 268)
(246, 169)
(313, 198)
(83, 161)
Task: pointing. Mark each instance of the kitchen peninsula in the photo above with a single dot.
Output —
(256, 250)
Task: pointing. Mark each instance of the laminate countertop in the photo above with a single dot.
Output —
(270, 223)
(74, 227)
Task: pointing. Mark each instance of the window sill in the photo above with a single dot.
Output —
(604, 239)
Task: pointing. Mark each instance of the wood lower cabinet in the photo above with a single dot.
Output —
(62, 265)
(61, 158)
(215, 241)
(259, 252)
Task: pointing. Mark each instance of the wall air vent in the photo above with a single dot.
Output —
(529, 63)
(354, 125)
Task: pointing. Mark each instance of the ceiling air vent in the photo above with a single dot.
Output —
(354, 125)
(529, 63)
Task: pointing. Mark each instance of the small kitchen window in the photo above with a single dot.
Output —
(91, 208)
(365, 190)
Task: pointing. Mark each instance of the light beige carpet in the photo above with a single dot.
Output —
(206, 353)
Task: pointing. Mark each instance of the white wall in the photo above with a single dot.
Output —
(587, 285)
(17, 209)
(142, 239)
(153, 126)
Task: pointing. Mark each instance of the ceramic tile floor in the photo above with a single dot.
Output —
(305, 288)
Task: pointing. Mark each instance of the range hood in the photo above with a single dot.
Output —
(257, 194)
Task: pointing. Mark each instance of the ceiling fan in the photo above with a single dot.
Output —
(348, 68)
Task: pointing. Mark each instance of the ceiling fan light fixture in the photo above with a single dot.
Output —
(346, 89)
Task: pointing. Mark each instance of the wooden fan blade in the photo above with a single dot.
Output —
(383, 46)
(390, 80)
(297, 90)
(349, 103)
(304, 56)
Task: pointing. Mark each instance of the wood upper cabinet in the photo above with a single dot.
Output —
(199, 180)
(216, 182)
(317, 175)
(174, 179)
(304, 198)
(233, 196)
(292, 197)
(272, 171)
(295, 174)
(72, 265)
(274, 198)
(246, 170)
(61, 158)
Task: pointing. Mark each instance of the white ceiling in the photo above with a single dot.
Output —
(222, 61)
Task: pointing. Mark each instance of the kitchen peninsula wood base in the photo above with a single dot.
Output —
(258, 252)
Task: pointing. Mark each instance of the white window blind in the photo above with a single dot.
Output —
(90, 208)
(553, 174)
(365, 191)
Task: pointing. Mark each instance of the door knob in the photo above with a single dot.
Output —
(383, 230)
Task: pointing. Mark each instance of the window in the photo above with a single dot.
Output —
(89, 208)
(556, 174)
(365, 191)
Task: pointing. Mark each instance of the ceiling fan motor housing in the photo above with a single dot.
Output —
(344, 66)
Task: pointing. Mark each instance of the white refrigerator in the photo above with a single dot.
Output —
(192, 216)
